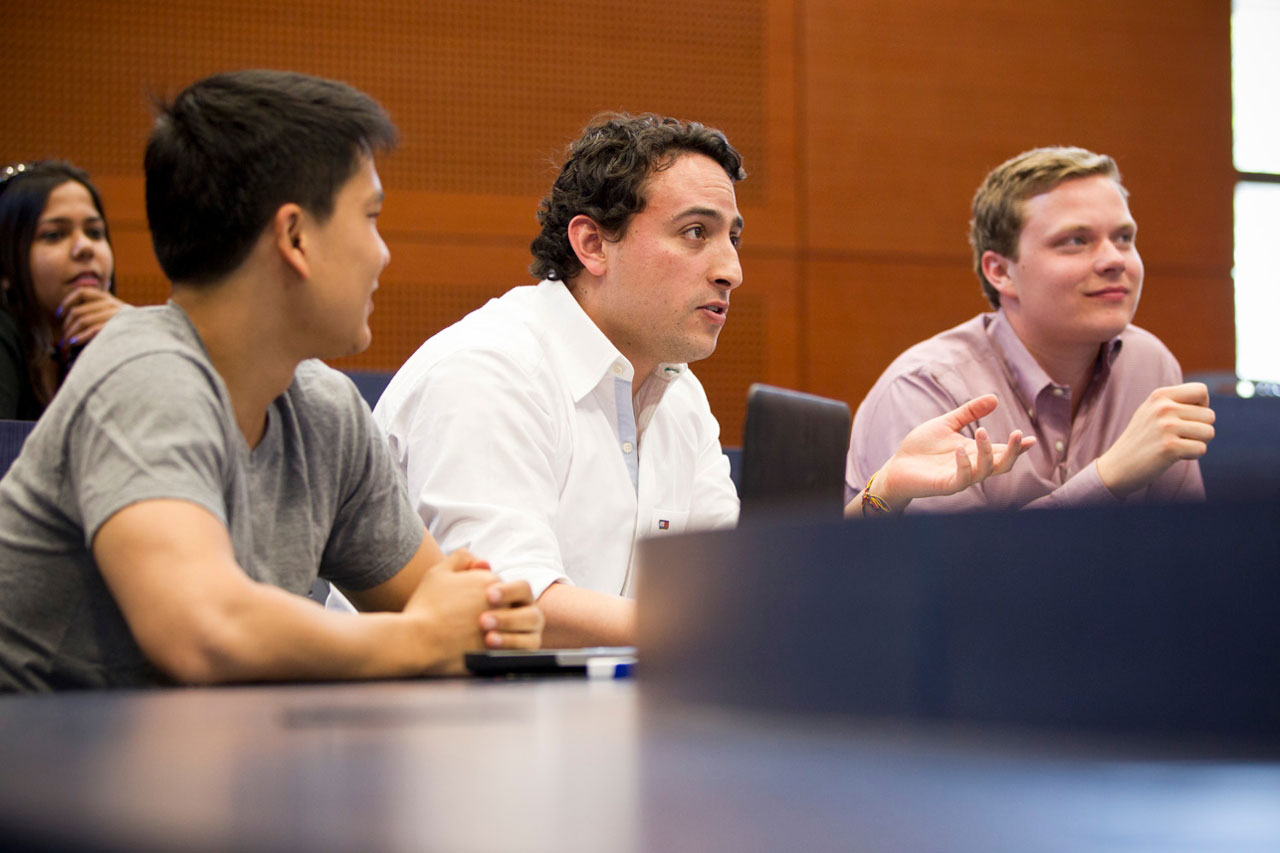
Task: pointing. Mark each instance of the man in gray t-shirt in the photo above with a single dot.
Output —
(199, 468)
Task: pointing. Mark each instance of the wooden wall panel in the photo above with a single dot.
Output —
(866, 125)
(486, 97)
(910, 102)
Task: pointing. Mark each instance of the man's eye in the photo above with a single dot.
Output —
(697, 232)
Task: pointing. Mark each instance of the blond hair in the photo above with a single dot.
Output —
(997, 205)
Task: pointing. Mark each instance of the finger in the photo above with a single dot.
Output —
(978, 407)
(964, 468)
(1195, 431)
(523, 640)
(459, 560)
(87, 318)
(509, 594)
(1190, 448)
(75, 297)
(79, 325)
(1192, 412)
(1007, 455)
(1196, 393)
(986, 456)
(512, 620)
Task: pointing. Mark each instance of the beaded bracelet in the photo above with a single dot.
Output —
(873, 504)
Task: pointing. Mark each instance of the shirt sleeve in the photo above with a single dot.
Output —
(479, 443)
(1085, 488)
(150, 430)
(714, 502)
(375, 532)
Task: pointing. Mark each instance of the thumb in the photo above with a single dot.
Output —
(978, 407)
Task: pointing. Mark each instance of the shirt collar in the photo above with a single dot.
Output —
(579, 350)
(1025, 373)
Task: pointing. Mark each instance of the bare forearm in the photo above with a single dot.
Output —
(268, 634)
(584, 617)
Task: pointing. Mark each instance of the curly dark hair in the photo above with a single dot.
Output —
(604, 177)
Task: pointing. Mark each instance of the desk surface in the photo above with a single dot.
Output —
(575, 765)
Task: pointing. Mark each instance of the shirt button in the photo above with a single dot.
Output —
(617, 370)
(627, 447)
(1057, 392)
(1059, 446)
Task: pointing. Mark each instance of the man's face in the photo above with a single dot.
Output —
(347, 256)
(1078, 275)
(664, 296)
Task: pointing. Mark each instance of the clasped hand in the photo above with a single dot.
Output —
(468, 607)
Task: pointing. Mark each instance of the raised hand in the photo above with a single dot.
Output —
(84, 312)
(936, 458)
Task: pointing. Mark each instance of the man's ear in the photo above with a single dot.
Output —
(588, 241)
(995, 268)
(290, 238)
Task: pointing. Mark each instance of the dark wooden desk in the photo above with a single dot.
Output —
(577, 765)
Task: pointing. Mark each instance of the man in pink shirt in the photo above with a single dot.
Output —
(1053, 246)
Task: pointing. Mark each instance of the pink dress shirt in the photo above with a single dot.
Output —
(983, 356)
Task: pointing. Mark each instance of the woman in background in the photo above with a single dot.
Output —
(57, 279)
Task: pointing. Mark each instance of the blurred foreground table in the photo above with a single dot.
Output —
(567, 764)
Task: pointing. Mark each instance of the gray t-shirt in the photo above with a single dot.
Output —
(145, 415)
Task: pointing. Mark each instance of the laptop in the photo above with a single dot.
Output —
(793, 454)
(593, 662)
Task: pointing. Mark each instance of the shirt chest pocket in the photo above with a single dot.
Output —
(663, 522)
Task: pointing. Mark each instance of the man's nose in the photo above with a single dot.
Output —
(1111, 258)
(727, 271)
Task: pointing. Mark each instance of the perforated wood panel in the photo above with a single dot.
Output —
(865, 125)
(486, 94)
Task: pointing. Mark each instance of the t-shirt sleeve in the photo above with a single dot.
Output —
(375, 531)
(152, 429)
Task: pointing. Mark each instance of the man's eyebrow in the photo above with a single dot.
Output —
(1081, 226)
(708, 212)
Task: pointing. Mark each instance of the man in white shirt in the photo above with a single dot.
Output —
(555, 426)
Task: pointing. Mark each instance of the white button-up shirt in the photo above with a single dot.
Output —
(516, 431)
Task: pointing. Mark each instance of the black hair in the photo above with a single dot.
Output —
(230, 149)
